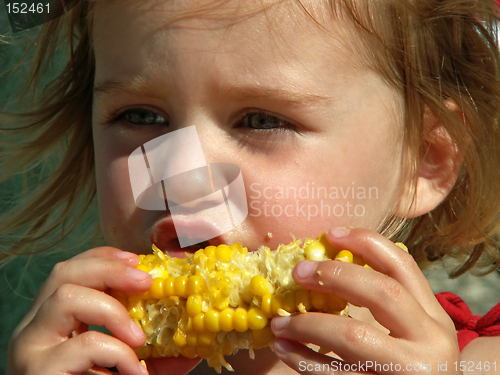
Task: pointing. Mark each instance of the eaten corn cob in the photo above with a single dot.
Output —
(221, 299)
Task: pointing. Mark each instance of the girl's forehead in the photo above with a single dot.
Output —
(277, 19)
(283, 29)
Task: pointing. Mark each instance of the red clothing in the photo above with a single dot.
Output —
(469, 326)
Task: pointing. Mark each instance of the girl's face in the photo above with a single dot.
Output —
(315, 132)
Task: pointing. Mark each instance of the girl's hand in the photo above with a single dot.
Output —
(396, 293)
(53, 338)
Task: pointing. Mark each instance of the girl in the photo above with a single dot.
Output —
(382, 117)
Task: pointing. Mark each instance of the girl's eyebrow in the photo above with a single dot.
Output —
(289, 95)
(135, 86)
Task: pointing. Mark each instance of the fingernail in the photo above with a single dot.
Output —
(143, 368)
(282, 346)
(280, 322)
(339, 232)
(124, 255)
(136, 330)
(137, 275)
(305, 268)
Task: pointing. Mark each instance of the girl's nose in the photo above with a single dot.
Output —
(171, 171)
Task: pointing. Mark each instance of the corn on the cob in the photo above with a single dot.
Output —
(220, 299)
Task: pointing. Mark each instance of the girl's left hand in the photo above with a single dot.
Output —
(396, 293)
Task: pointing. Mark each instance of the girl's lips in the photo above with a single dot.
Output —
(164, 235)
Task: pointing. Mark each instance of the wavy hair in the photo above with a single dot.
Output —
(429, 50)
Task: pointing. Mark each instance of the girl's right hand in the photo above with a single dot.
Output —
(53, 338)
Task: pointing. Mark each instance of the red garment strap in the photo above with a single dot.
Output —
(469, 326)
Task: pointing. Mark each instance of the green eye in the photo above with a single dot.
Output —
(143, 117)
(264, 121)
(139, 117)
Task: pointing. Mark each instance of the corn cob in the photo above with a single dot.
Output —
(221, 299)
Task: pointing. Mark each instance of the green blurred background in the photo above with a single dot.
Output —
(20, 280)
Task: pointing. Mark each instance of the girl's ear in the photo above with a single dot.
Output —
(438, 167)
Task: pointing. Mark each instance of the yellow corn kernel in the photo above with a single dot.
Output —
(315, 250)
(136, 307)
(156, 289)
(240, 319)
(199, 322)
(256, 318)
(189, 325)
(262, 337)
(219, 301)
(335, 303)
(196, 284)
(192, 338)
(194, 304)
(210, 251)
(180, 286)
(204, 351)
(146, 295)
(189, 352)
(331, 251)
(179, 338)
(223, 253)
(276, 304)
(402, 246)
(150, 258)
(155, 353)
(212, 320)
(260, 286)
(168, 287)
(142, 267)
(303, 297)
(319, 300)
(266, 305)
(199, 257)
(289, 301)
(206, 338)
(344, 256)
(226, 319)
(143, 351)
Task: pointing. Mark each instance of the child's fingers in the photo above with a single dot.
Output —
(72, 305)
(306, 361)
(348, 338)
(79, 354)
(384, 256)
(111, 253)
(383, 295)
(95, 273)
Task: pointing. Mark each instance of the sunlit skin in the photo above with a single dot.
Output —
(292, 105)
(346, 134)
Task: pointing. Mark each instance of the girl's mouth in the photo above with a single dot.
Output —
(164, 236)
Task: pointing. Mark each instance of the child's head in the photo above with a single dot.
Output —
(369, 114)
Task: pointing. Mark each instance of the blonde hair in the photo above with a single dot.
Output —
(431, 51)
